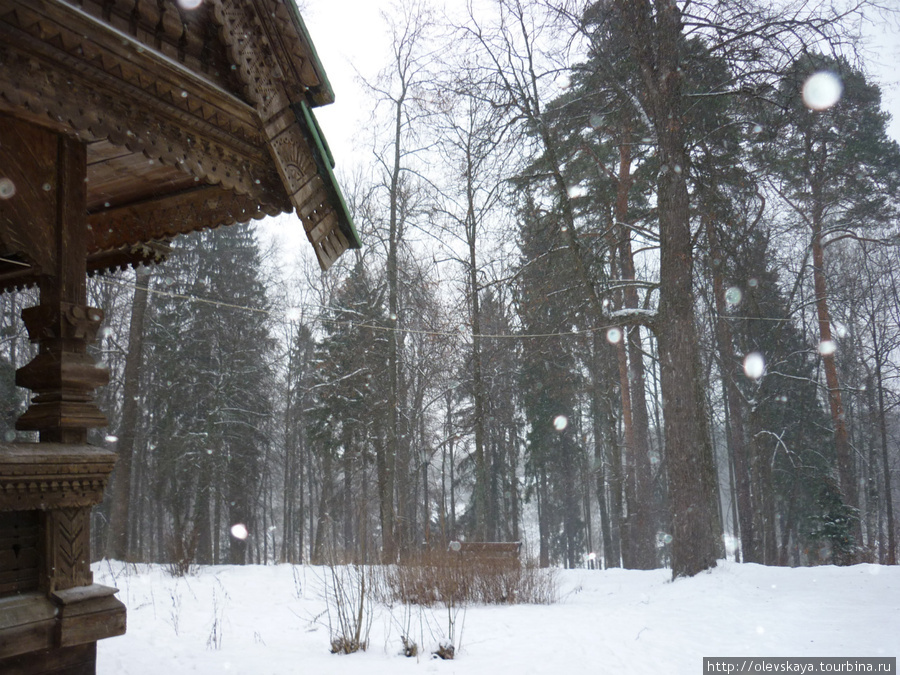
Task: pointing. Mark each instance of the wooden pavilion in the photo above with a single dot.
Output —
(124, 123)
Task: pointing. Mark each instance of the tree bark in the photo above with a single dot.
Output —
(886, 464)
(846, 474)
(605, 444)
(631, 365)
(655, 32)
(117, 544)
(483, 522)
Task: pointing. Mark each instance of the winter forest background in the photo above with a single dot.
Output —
(624, 296)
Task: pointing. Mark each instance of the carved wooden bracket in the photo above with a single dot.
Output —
(75, 324)
(289, 134)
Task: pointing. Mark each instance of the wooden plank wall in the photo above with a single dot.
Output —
(18, 552)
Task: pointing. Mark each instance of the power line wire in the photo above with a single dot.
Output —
(409, 331)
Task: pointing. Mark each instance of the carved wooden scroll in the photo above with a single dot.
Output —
(286, 129)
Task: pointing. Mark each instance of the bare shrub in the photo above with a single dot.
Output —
(182, 549)
(444, 583)
(446, 651)
(175, 610)
(448, 578)
(410, 648)
(348, 598)
(214, 640)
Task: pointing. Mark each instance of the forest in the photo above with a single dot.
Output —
(629, 293)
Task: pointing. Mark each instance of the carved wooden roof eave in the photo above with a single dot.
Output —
(52, 47)
(317, 94)
(150, 225)
(99, 83)
(289, 127)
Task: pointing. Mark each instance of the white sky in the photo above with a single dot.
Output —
(351, 37)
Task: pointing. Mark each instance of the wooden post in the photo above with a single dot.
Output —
(54, 482)
(63, 376)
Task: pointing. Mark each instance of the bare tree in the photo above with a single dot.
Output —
(400, 90)
(474, 148)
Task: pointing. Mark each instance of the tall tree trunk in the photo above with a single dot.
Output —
(483, 521)
(289, 486)
(885, 460)
(300, 518)
(426, 496)
(513, 483)
(543, 519)
(610, 555)
(642, 527)
(452, 486)
(347, 511)
(570, 501)
(387, 465)
(655, 33)
(118, 544)
(324, 520)
(202, 511)
(606, 452)
(629, 524)
(846, 475)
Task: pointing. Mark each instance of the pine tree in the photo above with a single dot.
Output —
(838, 172)
(208, 354)
(549, 383)
(349, 419)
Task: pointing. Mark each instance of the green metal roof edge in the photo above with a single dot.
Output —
(317, 63)
(320, 137)
(325, 166)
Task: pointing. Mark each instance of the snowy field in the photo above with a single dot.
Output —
(269, 620)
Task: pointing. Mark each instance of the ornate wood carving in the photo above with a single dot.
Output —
(179, 33)
(51, 475)
(251, 53)
(187, 119)
(62, 375)
(132, 96)
(296, 48)
(136, 255)
(159, 218)
(291, 143)
(88, 70)
(51, 230)
(68, 549)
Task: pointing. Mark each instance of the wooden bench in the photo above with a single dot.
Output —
(484, 551)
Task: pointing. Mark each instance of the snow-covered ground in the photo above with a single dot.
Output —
(268, 620)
